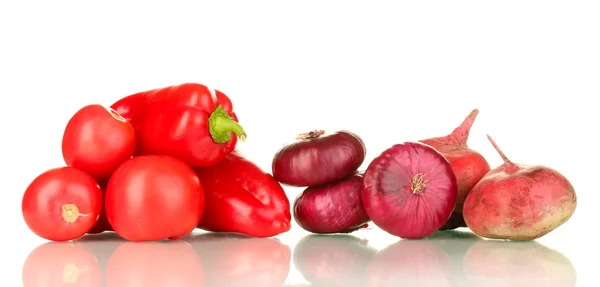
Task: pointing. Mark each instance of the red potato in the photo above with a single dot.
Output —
(62, 204)
(97, 140)
(519, 202)
(469, 166)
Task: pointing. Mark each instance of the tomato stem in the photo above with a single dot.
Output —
(69, 212)
(221, 125)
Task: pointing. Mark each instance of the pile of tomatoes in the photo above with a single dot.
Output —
(105, 186)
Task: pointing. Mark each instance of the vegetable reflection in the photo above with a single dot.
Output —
(239, 260)
(61, 264)
(333, 260)
(199, 260)
(517, 263)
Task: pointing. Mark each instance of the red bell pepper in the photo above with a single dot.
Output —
(242, 198)
(189, 121)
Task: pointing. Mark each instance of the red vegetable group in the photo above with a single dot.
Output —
(162, 163)
(155, 165)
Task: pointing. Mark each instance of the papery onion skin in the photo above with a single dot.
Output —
(409, 190)
(317, 158)
(334, 207)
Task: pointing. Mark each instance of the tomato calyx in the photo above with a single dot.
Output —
(70, 212)
(221, 124)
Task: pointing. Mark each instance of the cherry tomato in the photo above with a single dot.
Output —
(54, 264)
(62, 204)
(97, 140)
(154, 197)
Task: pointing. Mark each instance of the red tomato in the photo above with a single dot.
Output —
(154, 197)
(54, 264)
(102, 223)
(97, 140)
(62, 204)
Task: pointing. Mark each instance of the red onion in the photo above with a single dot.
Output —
(317, 158)
(409, 190)
(334, 207)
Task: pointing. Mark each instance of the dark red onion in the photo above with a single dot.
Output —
(317, 158)
(410, 190)
(334, 207)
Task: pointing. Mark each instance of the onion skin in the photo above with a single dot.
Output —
(317, 158)
(409, 190)
(334, 207)
(519, 202)
(468, 165)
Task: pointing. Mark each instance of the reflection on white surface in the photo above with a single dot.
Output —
(450, 258)
(333, 260)
(199, 260)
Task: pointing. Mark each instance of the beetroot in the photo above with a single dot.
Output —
(334, 207)
(317, 158)
(519, 202)
(468, 165)
(409, 190)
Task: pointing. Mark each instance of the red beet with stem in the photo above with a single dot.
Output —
(519, 202)
(468, 165)
(409, 190)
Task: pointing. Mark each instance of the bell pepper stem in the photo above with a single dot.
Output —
(221, 124)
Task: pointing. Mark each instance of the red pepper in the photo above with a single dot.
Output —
(242, 198)
(189, 121)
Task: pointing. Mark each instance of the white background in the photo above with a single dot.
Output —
(389, 72)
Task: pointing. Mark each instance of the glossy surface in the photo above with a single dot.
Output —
(452, 258)
(175, 121)
(97, 140)
(241, 197)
